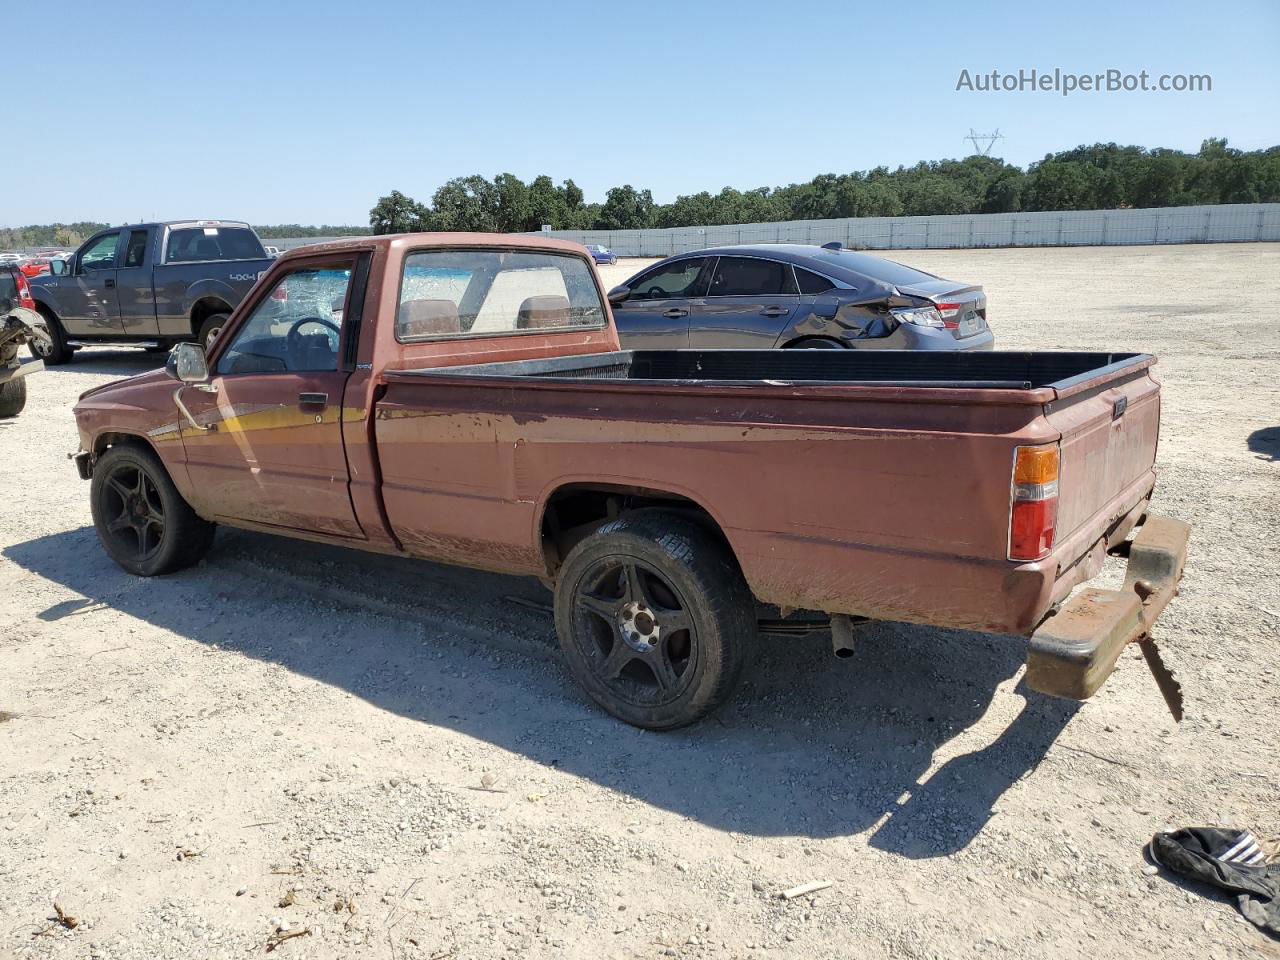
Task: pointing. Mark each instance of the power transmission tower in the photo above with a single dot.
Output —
(983, 142)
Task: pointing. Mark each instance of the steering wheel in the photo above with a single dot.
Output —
(293, 339)
(656, 293)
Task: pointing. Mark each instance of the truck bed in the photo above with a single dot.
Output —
(875, 484)
(991, 370)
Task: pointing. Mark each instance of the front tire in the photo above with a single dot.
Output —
(655, 620)
(142, 520)
(13, 396)
(58, 352)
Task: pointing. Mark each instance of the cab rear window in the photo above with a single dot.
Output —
(199, 244)
(470, 293)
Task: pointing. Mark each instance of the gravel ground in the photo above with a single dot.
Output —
(387, 756)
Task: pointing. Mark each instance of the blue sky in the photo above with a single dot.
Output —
(307, 112)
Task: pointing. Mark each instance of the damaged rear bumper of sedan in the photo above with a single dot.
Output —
(1073, 652)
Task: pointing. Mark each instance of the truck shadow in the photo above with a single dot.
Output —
(1265, 443)
(811, 747)
(121, 363)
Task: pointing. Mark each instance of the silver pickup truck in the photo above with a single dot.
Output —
(147, 285)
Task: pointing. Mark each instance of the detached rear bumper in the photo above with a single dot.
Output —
(1073, 652)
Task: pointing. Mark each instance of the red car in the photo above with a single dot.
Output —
(34, 266)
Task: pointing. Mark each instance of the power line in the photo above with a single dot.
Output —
(983, 142)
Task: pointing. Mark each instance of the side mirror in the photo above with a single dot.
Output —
(187, 364)
(58, 268)
(619, 293)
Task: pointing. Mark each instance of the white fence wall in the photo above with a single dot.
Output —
(1224, 223)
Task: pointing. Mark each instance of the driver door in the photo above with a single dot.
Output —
(656, 314)
(88, 296)
(272, 451)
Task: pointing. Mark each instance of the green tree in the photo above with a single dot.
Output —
(467, 203)
(396, 213)
(626, 208)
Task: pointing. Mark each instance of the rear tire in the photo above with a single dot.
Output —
(59, 352)
(13, 396)
(210, 329)
(655, 619)
(142, 520)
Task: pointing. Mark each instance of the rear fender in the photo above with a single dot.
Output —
(844, 322)
(209, 290)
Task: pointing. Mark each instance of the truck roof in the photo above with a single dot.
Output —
(407, 241)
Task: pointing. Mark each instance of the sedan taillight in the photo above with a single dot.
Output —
(950, 313)
(920, 317)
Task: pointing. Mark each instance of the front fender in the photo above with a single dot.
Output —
(46, 295)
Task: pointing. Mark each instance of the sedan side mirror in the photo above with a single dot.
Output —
(57, 268)
(187, 364)
(619, 293)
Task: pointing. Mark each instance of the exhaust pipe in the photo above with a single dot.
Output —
(842, 636)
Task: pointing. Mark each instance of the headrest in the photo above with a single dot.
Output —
(426, 318)
(545, 311)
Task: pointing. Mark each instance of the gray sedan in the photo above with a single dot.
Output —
(796, 295)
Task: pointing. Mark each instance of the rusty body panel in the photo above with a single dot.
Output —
(799, 479)
(886, 500)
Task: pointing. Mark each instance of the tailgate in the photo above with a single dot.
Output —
(1110, 425)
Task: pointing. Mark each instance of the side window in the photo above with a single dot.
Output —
(294, 329)
(136, 251)
(102, 254)
(196, 244)
(811, 282)
(748, 277)
(8, 285)
(451, 293)
(678, 279)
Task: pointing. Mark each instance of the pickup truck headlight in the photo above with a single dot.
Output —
(919, 316)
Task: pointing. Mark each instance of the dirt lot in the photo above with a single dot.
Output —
(388, 755)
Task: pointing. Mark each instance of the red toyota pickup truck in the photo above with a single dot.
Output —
(462, 398)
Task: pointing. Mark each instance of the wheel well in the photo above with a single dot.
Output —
(204, 309)
(801, 343)
(575, 511)
(46, 311)
(104, 440)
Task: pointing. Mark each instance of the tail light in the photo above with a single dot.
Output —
(24, 293)
(1033, 513)
(281, 292)
(920, 316)
(950, 313)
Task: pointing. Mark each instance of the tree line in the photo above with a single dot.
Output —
(68, 236)
(1098, 177)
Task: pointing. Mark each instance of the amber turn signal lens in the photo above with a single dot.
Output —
(1036, 465)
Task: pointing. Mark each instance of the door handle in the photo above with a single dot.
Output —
(109, 282)
(675, 313)
(313, 399)
(774, 311)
